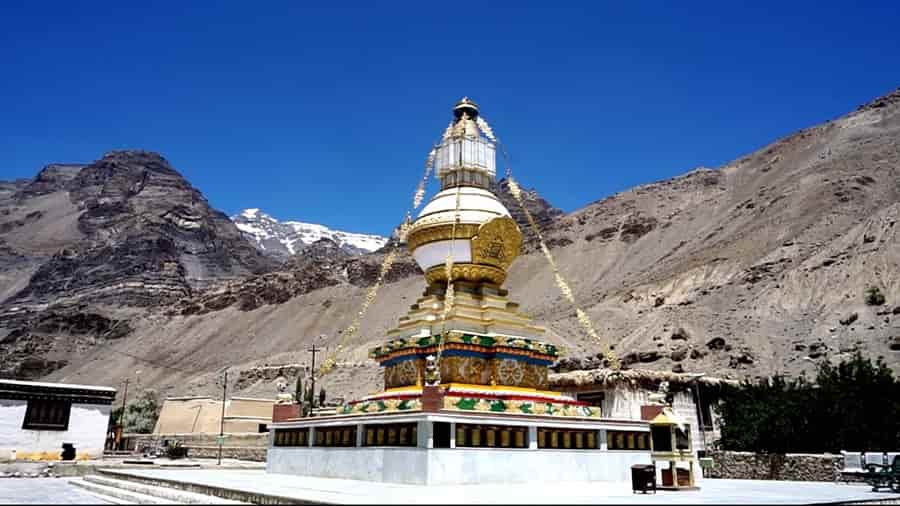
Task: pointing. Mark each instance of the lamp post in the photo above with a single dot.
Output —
(122, 415)
(312, 398)
(121, 423)
(221, 438)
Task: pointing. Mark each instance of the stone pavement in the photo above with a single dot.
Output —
(357, 492)
(83, 467)
(43, 491)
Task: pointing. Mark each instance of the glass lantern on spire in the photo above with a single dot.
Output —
(465, 157)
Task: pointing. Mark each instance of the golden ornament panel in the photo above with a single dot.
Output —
(471, 370)
(509, 372)
(401, 374)
(420, 235)
(497, 243)
(535, 376)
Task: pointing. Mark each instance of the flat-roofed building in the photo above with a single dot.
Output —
(623, 393)
(53, 421)
(203, 415)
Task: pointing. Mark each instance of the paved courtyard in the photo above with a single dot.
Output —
(358, 492)
(44, 491)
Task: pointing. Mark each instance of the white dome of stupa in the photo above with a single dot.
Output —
(465, 220)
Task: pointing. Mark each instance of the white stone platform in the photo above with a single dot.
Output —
(430, 463)
(423, 466)
(287, 488)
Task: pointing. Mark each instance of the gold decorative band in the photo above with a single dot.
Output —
(422, 236)
(467, 272)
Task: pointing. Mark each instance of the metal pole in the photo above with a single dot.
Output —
(122, 416)
(222, 418)
(312, 397)
(700, 412)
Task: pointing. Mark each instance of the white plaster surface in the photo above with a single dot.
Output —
(444, 466)
(470, 198)
(435, 253)
(87, 430)
(341, 491)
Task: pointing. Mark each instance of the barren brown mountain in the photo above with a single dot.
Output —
(771, 263)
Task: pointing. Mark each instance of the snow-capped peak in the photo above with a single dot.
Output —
(282, 239)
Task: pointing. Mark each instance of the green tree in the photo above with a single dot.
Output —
(860, 402)
(140, 414)
(854, 405)
(307, 401)
(765, 416)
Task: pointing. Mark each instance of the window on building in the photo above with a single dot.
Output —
(263, 428)
(662, 438)
(705, 413)
(682, 438)
(593, 399)
(47, 415)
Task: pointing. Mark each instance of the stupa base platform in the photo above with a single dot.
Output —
(456, 448)
(258, 487)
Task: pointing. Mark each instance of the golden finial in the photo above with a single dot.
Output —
(466, 105)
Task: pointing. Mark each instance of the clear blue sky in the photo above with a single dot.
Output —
(325, 114)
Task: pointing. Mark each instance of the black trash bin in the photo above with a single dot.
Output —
(643, 478)
(68, 451)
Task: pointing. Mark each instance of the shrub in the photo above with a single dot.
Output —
(176, 450)
(874, 297)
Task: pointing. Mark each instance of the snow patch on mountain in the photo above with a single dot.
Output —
(285, 238)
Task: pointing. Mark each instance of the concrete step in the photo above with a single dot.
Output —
(222, 492)
(117, 495)
(160, 491)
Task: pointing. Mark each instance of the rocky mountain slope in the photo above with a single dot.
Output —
(756, 267)
(85, 248)
(281, 239)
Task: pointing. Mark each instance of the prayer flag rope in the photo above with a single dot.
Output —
(450, 294)
(583, 319)
(386, 264)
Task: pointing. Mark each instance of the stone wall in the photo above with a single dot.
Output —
(249, 446)
(792, 466)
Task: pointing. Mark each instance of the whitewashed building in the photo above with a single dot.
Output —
(621, 394)
(53, 421)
